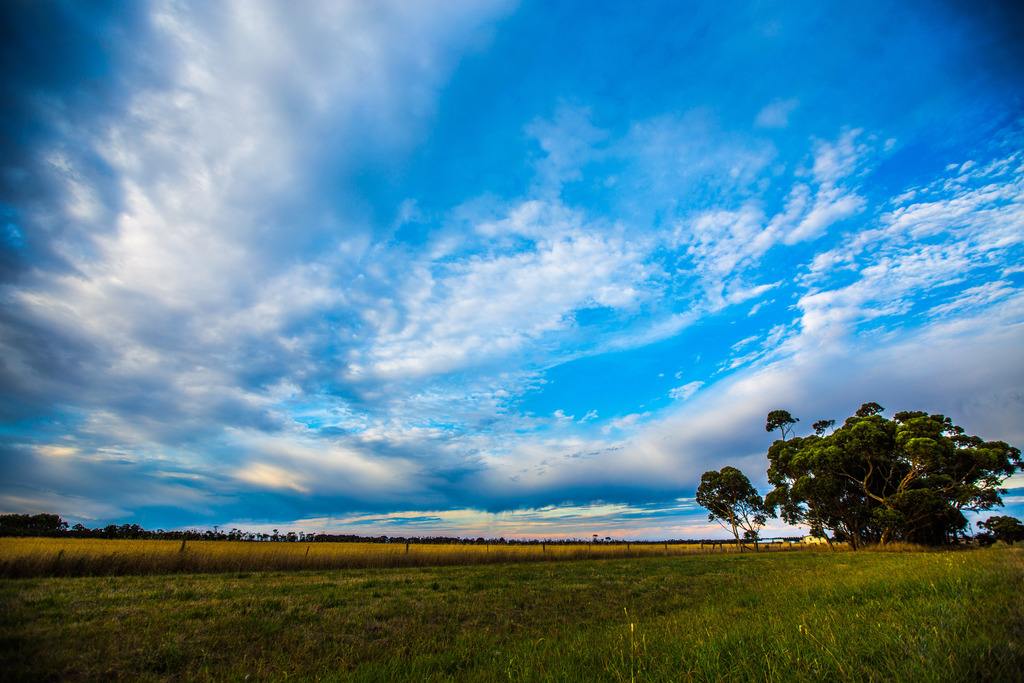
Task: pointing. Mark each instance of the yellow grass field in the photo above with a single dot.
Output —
(20, 557)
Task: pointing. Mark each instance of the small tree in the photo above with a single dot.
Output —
(868, 409)
(732, 501)
(1003, 528)
(781, 420)
(821, 426)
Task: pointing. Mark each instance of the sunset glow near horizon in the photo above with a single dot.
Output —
(487, 268)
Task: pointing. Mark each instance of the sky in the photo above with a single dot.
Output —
(491, 268)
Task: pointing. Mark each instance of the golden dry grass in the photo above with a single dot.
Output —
(23, 557)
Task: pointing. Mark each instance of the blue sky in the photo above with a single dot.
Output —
(491, 268)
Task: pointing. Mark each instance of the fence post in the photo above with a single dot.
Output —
(543, 548)
(407, 547)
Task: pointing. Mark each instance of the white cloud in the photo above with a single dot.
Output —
(302, 463)
(470, 311)
(830, 206)
(569, 141)
(624, 422)
(170, 286)
(902, 261)
(57, 450)
(836, 160)
(270, 476)
(724, 243)
(975, 298)
(776, 114)
(679, 519)
(685, 391)
(70, 506)
(744, 342)
(758, 306)
(671, 158)
(769, 344)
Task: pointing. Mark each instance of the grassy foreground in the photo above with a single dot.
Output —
(924, 616)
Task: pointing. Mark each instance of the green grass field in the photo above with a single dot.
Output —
(914, 616)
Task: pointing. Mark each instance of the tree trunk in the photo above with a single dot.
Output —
(735, 531)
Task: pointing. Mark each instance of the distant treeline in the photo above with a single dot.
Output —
(52, 525)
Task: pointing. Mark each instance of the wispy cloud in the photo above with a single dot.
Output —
(681, 393)
(777, 113)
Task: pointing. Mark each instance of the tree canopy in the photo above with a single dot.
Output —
(44, 524)
(876, 479)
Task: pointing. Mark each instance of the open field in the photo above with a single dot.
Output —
(921, 616)
(25, 557)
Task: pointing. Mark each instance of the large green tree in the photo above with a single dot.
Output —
(732, 501)
(876, 479)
